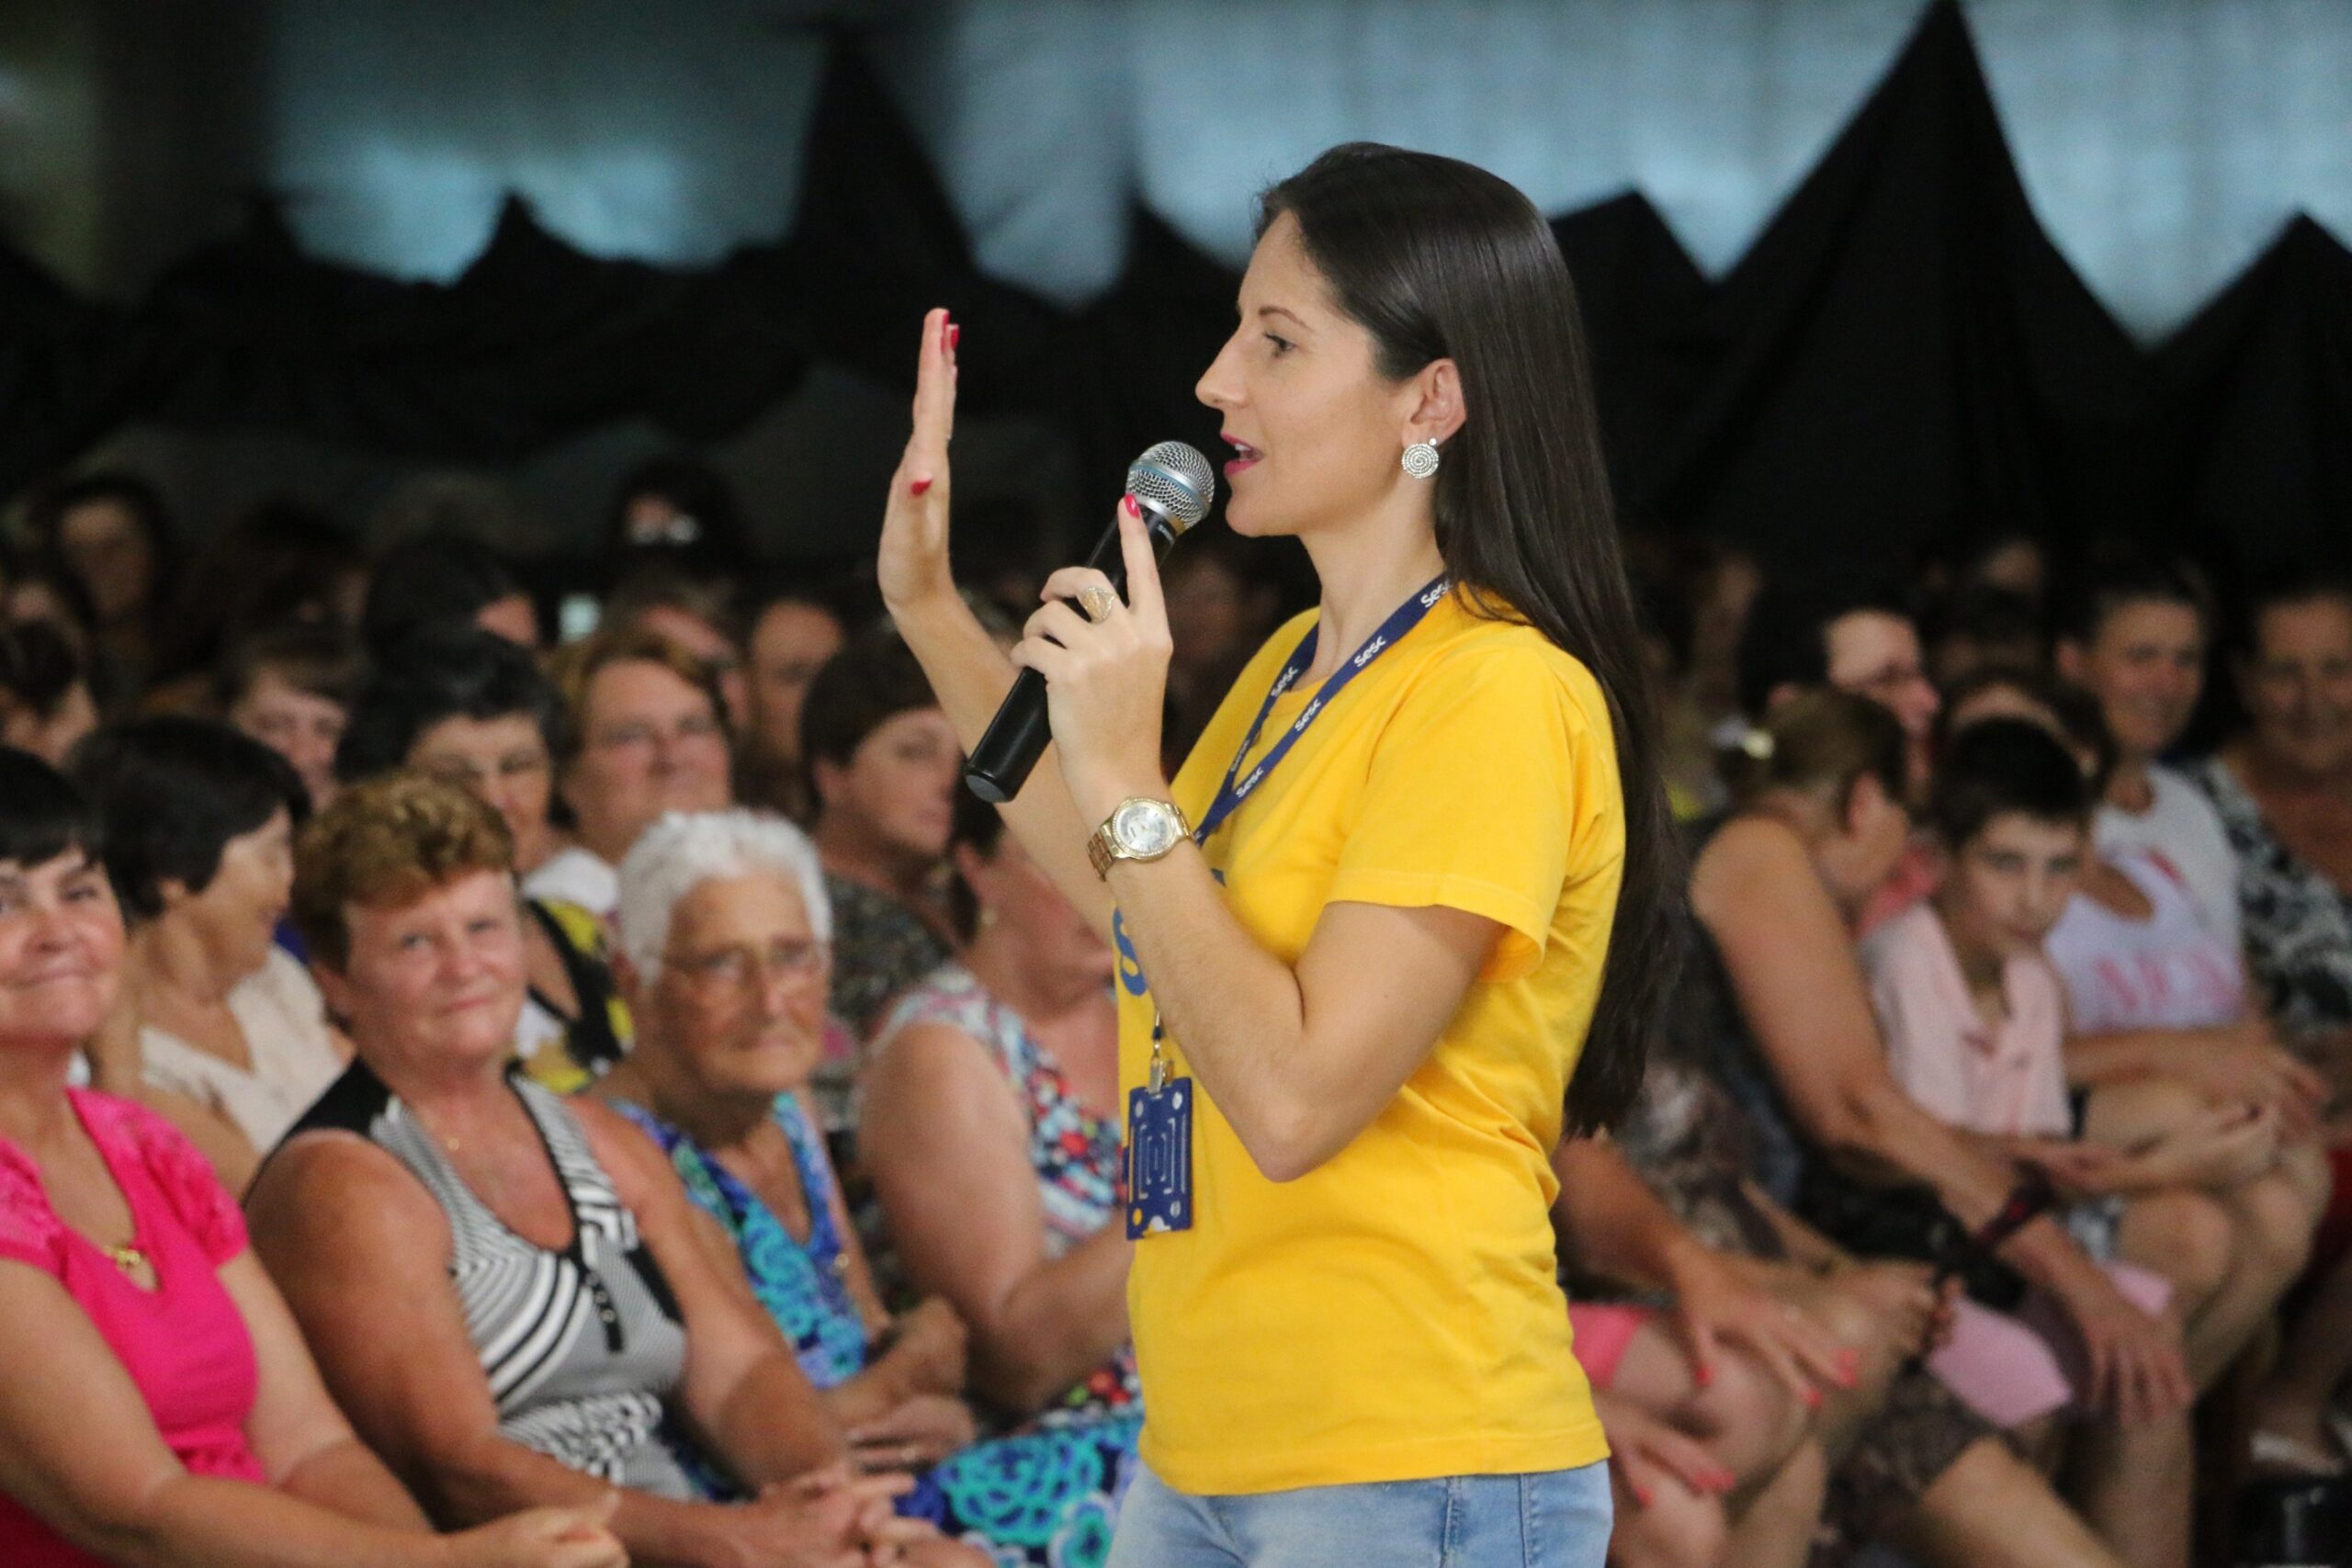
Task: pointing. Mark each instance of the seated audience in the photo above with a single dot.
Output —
(989, 1124)
(442, 576)
(509, 1294)
(199, 823)
(793, 634)
(644, 732)
(45, 701)
(157, 1405)
(468, 705)
(724, 925)
(290, 688)
(282, 563)
(2283, 790)
(2165, 1036)
(2133, 633)
(885, 769)
(1778, 888)
(1976, 1021)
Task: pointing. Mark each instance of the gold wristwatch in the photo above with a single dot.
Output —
(1138, 828)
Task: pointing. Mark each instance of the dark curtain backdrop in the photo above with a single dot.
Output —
(1901, 356)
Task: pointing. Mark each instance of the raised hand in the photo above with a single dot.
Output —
(912, 567)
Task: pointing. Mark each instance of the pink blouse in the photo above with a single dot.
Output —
(184, 1343)
(2010, 1081)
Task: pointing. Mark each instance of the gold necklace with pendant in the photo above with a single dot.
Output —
(130, 1259)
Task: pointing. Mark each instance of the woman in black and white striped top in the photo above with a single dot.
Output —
(507, 1292)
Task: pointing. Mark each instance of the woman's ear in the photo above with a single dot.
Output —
(1437, 412)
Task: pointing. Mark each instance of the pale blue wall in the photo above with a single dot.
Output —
(2162, 141)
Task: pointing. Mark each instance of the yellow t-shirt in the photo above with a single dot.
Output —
(1395, 1314)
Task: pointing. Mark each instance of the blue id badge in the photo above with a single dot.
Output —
(1160, 1157)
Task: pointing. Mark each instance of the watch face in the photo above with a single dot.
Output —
(1144, 827)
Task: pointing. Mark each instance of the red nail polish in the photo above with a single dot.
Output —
(954, 334)
(1128, 502)
(1703, 1374)
(1812, 1398)
(920, 485)
(1642, 1494)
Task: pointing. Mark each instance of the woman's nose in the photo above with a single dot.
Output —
(1215, 385)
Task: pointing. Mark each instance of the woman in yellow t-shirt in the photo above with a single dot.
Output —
(1365, 937)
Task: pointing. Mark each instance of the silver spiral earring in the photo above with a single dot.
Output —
(1420, 460)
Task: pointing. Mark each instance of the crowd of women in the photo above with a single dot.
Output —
(628, 1099)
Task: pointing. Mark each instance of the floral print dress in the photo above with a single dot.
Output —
(1046, 1496)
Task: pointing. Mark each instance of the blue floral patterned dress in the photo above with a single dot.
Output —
(1047, 1496)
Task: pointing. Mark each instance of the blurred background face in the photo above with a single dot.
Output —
(2008, 885)
(2298, 685)
(1318, 427)
(651, 743)
(1031, 911)
(1863, 844)
(706, 643)
(109, 550)
(739, 1002)
(514, 617)
(2146, 664)
(235, 916)
(61, 948)
(48, 736)
(299, 726)
(440, 978)
(503, 761)
(899, 788)
(1876, 655)
(789, 645)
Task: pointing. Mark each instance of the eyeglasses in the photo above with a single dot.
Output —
(795, 959)
(693, 726)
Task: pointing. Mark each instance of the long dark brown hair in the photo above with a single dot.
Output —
(1441, 259)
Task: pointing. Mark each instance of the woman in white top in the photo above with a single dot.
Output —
(198, 822)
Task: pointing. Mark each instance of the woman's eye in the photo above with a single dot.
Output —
(1282, 344)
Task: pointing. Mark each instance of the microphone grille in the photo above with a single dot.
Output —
(1175, 480)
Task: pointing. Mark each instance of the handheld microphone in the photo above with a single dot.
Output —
(1172, 485)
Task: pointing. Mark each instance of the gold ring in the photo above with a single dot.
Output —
(1098, 603)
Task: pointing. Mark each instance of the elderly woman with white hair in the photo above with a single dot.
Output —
(724, 934)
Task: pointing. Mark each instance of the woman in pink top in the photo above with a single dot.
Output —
(156, 1405)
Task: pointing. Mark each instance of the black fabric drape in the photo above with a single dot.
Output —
(1902, 353)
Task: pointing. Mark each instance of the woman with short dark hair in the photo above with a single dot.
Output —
(468, 705)
(199, 825)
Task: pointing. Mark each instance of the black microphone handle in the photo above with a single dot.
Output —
(1017, 737)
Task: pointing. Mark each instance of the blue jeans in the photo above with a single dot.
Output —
(1556, 1518)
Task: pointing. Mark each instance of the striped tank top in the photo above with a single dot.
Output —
(583, 1348)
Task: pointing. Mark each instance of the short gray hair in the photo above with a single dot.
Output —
(684, 850)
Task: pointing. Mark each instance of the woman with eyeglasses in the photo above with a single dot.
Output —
(724, 921)
(471, 708)
(644, 731)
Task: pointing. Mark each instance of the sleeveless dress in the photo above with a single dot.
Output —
(583, 1348)
(1050, 1497)
(1075, 1154)
(184, 1344)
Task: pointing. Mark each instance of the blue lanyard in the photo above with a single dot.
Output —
(1230, 796)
